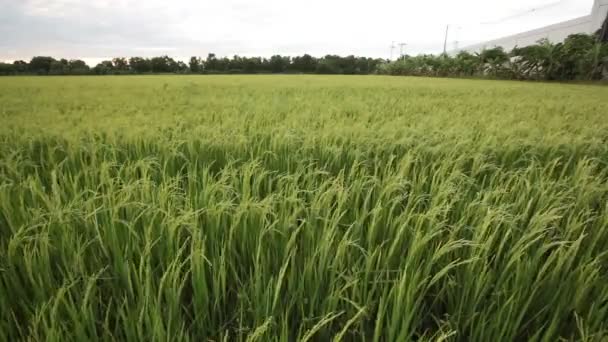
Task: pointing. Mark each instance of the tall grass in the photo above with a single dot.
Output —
(302, 208)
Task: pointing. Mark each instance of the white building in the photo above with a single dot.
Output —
(555, 33)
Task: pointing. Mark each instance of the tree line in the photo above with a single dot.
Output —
(330, 64)
(578, 57)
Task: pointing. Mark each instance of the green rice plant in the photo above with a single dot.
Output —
(312, 208)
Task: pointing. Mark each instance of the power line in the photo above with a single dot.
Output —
(522, 13)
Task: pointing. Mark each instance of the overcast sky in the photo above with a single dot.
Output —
(98, 29)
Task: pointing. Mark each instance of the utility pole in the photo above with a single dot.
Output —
(445, 42)
(392, 48)
(401, 46)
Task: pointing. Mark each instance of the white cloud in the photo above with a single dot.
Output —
(97, 28)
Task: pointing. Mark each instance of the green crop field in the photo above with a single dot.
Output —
(308, 208)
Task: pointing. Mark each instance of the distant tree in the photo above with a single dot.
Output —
(120, 65)
(533, 61)
(159, 64)
(104, 68)
(7, 69)
(174, 66)
(78, 67)
(324, 68)
(235, 65)
(224, 64)
(591, 59)
(195, 65)
(278, 63)
(41, 64)
(330, 64)
(580, 55)
(140, 65)
(493, 61)
(211, 63)
(20, 66)
(442, 65)
(364, 65)
(304, 64)
(252, 65)
(181, 67)
(163, 64)
(58, 67)
(466, 64)
(221, 65)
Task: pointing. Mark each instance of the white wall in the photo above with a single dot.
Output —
(555, 33)
(599, 12)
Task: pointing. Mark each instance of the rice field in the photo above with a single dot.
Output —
(302, 208)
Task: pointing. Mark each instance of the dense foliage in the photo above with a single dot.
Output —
(329, 64)
(302, 208)
(579, 57)
(40, 65)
